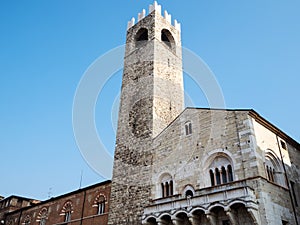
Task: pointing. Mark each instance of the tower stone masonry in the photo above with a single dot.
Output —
(151, 97)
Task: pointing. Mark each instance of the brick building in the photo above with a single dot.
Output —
(85, 206)
(178, 166)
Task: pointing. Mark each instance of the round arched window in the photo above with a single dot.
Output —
(141, 36)
(167, 38)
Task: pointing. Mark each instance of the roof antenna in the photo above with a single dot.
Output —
(80, 179)
(50, 193)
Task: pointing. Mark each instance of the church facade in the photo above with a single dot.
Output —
(176, 166)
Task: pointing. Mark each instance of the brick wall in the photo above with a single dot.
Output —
(84, 211)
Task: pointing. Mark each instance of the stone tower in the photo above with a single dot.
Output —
(151, 97)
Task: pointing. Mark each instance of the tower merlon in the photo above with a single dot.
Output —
(167, 16)
(177, 25)
(154, 7)
(141, 15)
(131, 23)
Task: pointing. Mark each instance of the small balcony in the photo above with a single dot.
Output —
(223, 195)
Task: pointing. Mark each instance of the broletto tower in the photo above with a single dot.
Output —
(176, 166)
(151, 98)
(196, 165)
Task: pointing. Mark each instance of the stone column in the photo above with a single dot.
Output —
(211, 218)
(194, 220)
(232, 216)
(161, 222)
(176, 221)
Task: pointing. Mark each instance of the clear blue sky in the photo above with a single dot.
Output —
(45, 46)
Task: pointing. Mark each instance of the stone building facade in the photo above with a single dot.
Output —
(193, 166)
(176, 166)
(85, 206)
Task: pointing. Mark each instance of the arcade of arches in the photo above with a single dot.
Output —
(236, 214)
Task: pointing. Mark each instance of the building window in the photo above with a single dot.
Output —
(188, 128)
(274, 170)
(166, 186)
(67, 211)
(283, 145)
(141, 37)
(101, 208)
(43, 221)
(220, 171)
(212, 177)
(218, 177)
(167, 38)
(27, 220)
(224, 175)
(68, 216)
(42, 216)
(270, 173)
(229, 171)
(100, 204)
(189, 194)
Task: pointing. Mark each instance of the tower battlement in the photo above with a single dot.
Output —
(154, 7)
